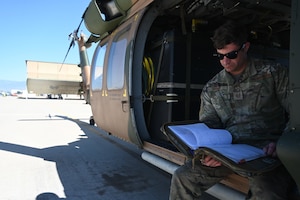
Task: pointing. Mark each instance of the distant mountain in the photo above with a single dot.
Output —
(7, 86)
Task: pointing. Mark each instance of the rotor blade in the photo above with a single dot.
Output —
(79, 26)
(74, 37)
(71, 45)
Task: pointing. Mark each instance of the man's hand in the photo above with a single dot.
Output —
(210, 162)
(270, 149)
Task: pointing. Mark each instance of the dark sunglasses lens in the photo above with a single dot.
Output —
(232, 55)
(220, 56)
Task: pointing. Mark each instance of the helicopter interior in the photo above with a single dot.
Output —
(178, 54)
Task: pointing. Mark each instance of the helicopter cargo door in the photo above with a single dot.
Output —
(111, 104)
(117, 105)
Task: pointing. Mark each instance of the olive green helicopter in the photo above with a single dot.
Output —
(153, 57)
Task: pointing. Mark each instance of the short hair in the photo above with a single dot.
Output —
(229, 32)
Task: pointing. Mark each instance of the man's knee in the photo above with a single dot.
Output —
(180, 177)
(261, 193)
(273, 185)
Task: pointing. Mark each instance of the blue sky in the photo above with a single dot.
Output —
(38, 30)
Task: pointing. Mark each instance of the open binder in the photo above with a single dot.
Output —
(190, 138)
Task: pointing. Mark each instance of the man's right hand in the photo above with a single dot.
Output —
(210, 162)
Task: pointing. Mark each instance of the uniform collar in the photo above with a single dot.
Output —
(250, 70)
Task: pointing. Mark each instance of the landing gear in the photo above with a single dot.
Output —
(92, 121)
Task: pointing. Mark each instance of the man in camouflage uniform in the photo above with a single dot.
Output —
(249, 99)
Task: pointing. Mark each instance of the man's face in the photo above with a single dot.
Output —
(233, 57)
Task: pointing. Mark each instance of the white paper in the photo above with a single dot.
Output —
(239, 153)
(199, 135)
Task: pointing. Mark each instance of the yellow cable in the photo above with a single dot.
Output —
(148, 66)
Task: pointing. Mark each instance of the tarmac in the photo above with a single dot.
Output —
(49, 151)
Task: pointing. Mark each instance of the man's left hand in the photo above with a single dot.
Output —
(270, 149)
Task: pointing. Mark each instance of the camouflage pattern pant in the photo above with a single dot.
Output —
(190, 182)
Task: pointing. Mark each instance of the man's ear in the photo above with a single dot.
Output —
(247, 45)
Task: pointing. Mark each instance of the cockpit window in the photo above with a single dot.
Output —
(97, 68)
(116, 62)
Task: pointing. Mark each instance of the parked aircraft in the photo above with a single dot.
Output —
(53, 78)
(154, 56)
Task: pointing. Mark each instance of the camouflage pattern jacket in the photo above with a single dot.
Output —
(253, 107)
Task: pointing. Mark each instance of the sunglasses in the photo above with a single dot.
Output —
(230, 55)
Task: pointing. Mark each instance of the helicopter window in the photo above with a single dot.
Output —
(116, 63)
(97, 68)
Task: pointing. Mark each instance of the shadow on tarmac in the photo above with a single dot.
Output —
(99, 168)
(48, 196)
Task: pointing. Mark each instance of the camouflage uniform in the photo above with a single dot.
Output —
(253, 108)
